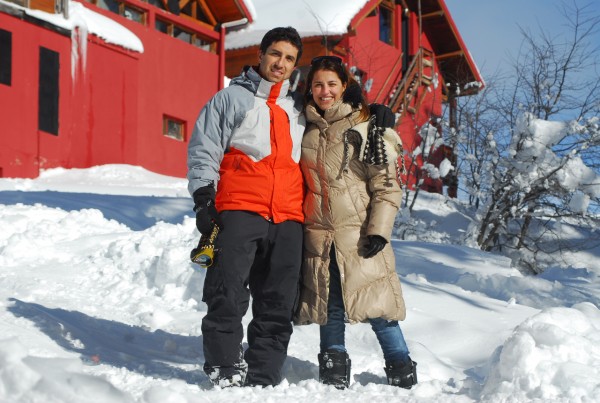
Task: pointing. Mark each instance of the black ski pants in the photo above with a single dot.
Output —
(260, 259)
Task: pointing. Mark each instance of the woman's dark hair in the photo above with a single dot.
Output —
(334, 63)
(287, 34)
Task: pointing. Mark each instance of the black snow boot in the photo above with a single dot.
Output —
(334, 368)
(225, 377)
(401, 373)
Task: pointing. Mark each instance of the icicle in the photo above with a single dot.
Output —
(83, 35)
(74, 52)
(79, 35)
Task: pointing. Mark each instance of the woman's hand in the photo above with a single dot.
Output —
(384, 117)
(375, 245)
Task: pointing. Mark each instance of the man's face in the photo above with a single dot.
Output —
(278, 61)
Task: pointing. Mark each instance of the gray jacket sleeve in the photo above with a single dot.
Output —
(210, 139)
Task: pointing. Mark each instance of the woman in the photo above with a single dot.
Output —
(348, 271)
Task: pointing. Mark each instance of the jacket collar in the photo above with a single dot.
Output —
(338, 111)
(259, 86)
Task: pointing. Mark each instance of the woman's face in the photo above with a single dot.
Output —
(326, 88)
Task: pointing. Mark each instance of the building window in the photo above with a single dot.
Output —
(5, 57)
(48, 91)
(110, 5)
(161, 26)
(121, 8)
(386, 22)
(405, 43)
(184, 35)
(134, 14)
(173, 128)
(198, 42)
(196, 9)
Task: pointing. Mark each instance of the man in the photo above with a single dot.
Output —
(244, 177)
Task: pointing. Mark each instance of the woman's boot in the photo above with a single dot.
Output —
(401, 373)
(334, 368)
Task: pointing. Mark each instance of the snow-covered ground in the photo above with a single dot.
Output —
(99, 303)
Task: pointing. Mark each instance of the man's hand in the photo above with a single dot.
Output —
(384, 117)
(375, 245)
(206, 213)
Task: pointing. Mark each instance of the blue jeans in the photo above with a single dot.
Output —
(388, 333)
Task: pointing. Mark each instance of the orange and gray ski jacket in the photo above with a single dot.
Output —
(247, 141)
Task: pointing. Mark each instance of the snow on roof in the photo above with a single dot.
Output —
(250, 7)
(81, 17)
(309, 17)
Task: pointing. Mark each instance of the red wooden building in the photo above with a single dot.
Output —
(107, 81)
(72, 96)
(407, 54)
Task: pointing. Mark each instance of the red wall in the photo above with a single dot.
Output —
(112, 110)
(20, 140)
(104, 110)
(184, 80)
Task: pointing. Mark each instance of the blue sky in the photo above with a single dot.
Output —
(490, 28)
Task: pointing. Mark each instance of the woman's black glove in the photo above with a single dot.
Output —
(353, 95)
(206, 213)
(384, 117)
(375, 245)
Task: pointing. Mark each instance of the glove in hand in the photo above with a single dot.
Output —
(206, 213)
(384, 117)
(375, 245)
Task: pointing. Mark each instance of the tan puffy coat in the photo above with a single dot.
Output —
(342, 207)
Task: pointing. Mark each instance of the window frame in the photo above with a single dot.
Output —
(49, 91)
(180, 136)
(6, 57)
(389, 8)
(196, 40)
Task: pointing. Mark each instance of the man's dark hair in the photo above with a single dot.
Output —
(278, 34)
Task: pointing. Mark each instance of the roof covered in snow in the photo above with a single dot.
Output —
(88, 21)
(309, 17)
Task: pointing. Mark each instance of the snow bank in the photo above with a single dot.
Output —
(552, 356)
(27, 378)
